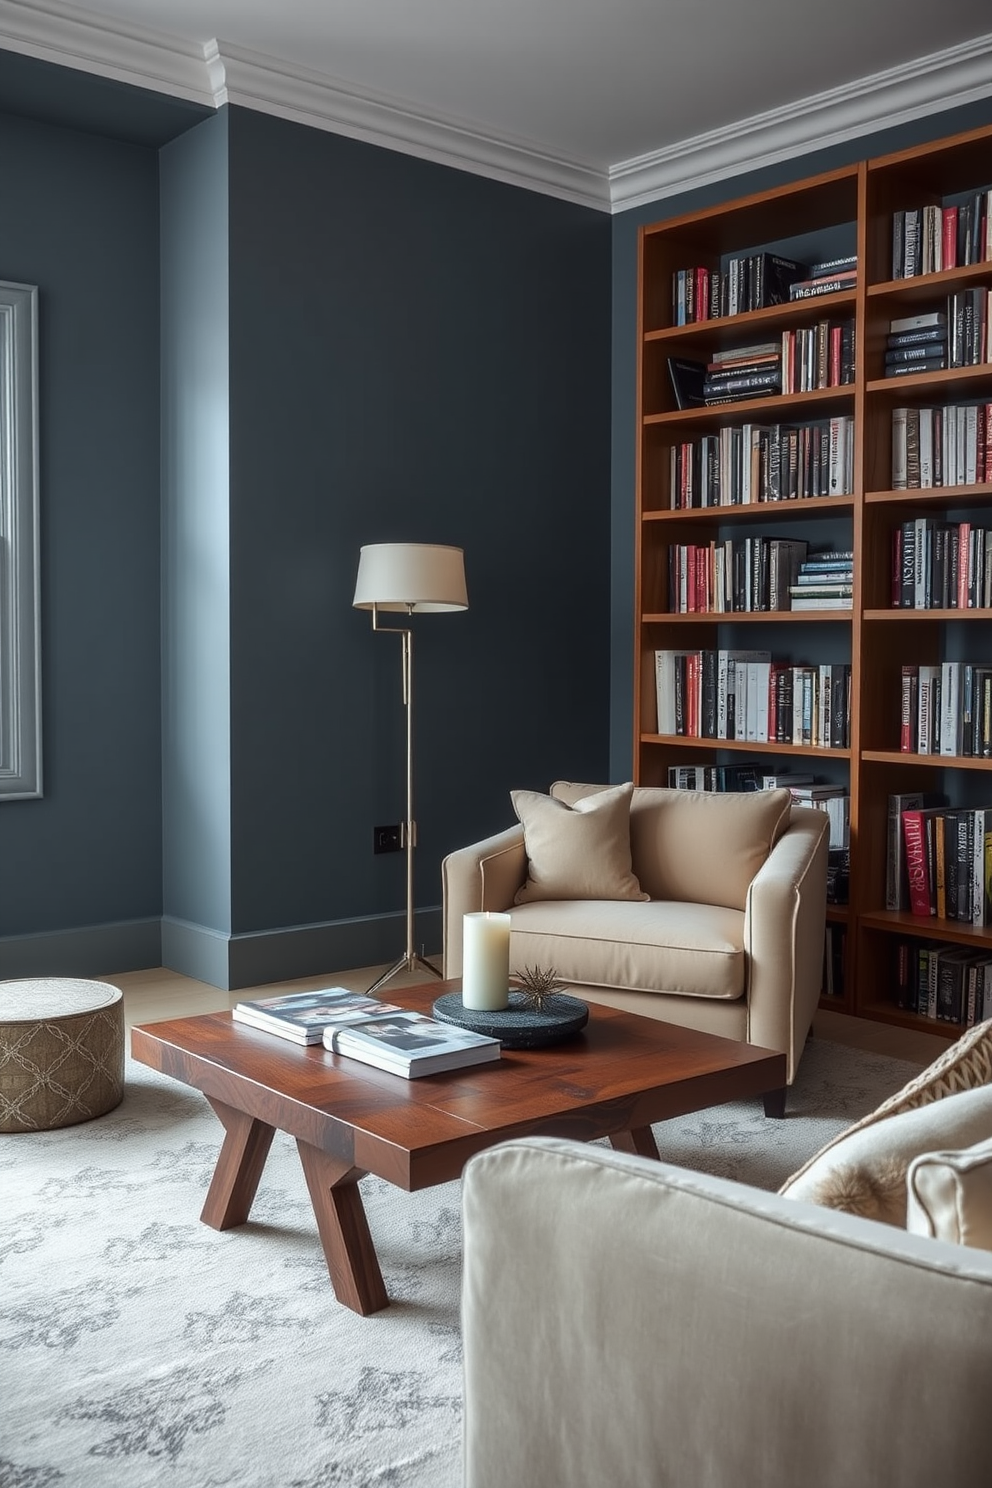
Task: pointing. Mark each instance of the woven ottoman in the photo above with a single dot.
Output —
(61, 1052)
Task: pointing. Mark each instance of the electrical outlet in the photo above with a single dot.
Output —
(387, 839)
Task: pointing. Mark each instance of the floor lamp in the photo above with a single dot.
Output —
(411, 579)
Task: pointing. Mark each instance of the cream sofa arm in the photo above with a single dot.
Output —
(727, 1337)
(784, 919)
(483, 876)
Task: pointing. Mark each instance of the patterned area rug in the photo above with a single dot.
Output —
(141, 1348)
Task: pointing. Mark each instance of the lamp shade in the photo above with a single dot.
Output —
(415, 577)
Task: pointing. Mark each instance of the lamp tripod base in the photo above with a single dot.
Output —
(409, 961)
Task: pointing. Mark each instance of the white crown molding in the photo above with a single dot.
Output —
(259, 82)
(959, 75)
(129, 54)
(221, 73)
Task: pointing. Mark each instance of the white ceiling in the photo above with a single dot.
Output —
(580, 94)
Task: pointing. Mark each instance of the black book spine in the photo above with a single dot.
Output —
(708, 720)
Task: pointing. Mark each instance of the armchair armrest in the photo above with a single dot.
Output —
(485, 875)
(784, 919)
(728, 1336)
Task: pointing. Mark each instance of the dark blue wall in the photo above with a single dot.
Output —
(624, 330)
(417, 354)
(80, 220)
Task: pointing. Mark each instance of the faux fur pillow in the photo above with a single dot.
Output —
(864, 1170)
(580, 851)
(963, 1066)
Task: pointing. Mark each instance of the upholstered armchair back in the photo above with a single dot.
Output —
(697, 847)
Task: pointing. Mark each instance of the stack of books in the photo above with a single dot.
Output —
(729, 377)
(828, 277)
(374, 1032)
(825, 581)
(916, 343)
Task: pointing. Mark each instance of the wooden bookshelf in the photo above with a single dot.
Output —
(848, 211)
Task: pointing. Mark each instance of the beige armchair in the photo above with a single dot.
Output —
(722, 930)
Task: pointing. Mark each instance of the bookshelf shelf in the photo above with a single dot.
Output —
(846, 213)
(749, 617)
(744, 327)
(895, 617)
(683, 742)
(931, 496)
(904, 758)
(761, 511)
(798, 405)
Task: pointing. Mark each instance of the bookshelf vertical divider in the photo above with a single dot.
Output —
(709, 287)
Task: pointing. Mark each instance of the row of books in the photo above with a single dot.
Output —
(745, 695)
(946, 709)
(941, 565)
(749, 282)
(818, 356)
(733, 575)
(373, 1032)
(929, 239)
(745, 775)
(753, 575)
(949, 445)
(947, 983)
(939, 859)
(748, 463)
(800, 361)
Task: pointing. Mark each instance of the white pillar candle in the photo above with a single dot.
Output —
(486, 960)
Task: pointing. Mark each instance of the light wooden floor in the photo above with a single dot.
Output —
(158, 994)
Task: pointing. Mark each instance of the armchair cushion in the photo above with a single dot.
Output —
(699, 847)
(950, 1196)
(694, 949)
(579, 851)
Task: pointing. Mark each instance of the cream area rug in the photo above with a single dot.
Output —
(141, 1348)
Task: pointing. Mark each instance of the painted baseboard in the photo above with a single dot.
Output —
(89, 950)
(252, 960)
(211, 956)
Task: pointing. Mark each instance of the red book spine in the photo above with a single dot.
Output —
(833, 372)
(895, 596)
(702, 294)
(917, 871)
(949, 247)
(964, 543)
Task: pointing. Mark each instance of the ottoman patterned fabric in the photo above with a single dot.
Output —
(61, 1052)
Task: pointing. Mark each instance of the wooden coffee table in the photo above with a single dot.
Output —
(614, 1079)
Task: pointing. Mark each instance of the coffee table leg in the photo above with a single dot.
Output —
(239, 1167)
(640, 1140)
(344, 1230)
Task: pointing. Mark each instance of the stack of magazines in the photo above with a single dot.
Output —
(303, 1016)
(409, 1044)
(362, 1027)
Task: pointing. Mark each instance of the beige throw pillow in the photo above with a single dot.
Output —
(950, 1196)
(577, 852)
